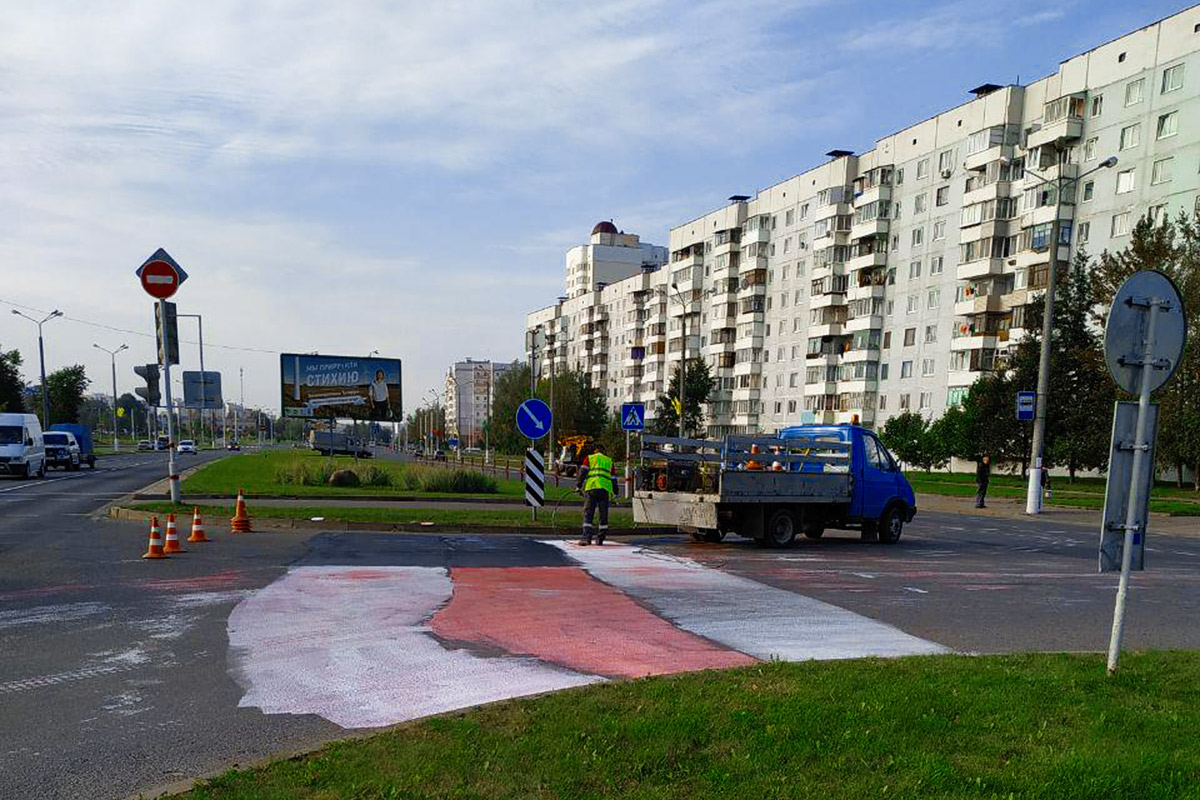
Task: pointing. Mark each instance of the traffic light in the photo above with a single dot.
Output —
(149, 392)
(167, 331)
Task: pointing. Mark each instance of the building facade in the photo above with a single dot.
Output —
(891, 280)
(468, 397)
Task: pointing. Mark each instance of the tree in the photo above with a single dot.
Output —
(699, 385)
(907, 435)
(135, 412)
(988, 424)
(12, 388)
(66, 387)
(948, 436)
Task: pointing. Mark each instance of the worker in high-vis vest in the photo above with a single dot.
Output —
(598, 482)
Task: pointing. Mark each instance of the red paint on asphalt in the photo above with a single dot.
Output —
(564, 616)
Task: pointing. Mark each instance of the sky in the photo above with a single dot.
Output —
(406, 176)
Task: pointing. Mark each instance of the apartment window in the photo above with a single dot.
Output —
(913, 304)
(1172, 78)
(914, 270)
(1097, 105)
(942, 197)
(895, 241)
(791, 406)
(922, 168)
(939, 230)
(1089, 149)
(934, 298)
(1125, 180)
(804, 211)
(1120, 224)
(918, 236)
(919, 203)
(793, 381)
(927, 367)
(887, 339)
(1133, 92)
(905, 369)
(1168, 125)
(931, 334)
(883, 402)
(789, 217)
(787, 244)
(926, 400)
(1161, 171)
(900, 176)
(1158, 214)
(1131, 136)
(1085, 232)
(935, 265)
(904, 402)
(1089, 191)
(910, 337)
(883, 372)
(778, 406)
(945, 161)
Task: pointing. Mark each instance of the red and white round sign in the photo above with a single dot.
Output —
(159, 279)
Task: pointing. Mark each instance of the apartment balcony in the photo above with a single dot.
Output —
(860, 354)
(822, 359)
(746, 393)
(825, 329)
(748, 291)
(857, 385)
(827, 269)
(990, 192)
(866, 416)
(827, 300)
(747, 368)
(868, 196)
(980, 268)
(987, 230)
(759, 234)
(1065, 128)
(876, 259)
(1045, 214)
(725, 346)
(986, 304)
(856, 292)
(832, 210)
(821, 387)
(981, 159)
(874, 227)
(962, 377)
(691, 260)
(727, 247)
(864, 322)
(979, 341)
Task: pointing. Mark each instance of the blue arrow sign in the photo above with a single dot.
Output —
(1026, 406)
(534, 418)
(633, 416)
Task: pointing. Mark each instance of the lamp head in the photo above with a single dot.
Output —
(1109, 162)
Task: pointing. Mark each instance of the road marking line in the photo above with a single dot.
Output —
(915, 589)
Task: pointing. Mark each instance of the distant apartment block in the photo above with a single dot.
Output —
(470, 387)
(891, 280)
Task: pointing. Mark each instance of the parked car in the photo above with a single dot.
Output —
(162, 443)
(233, 445)
(62, 450)
(145, 444)
(187, 446)
(83, 436)
(22, 452)
(439, 455)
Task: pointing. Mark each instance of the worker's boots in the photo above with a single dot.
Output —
(586, 539)
(603, 533)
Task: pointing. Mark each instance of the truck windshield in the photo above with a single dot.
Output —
(54, 438)
(11, 434)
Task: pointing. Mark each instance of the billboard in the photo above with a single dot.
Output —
(202, 389)
(350, 387)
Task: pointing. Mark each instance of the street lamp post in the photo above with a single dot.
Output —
(113, 355)
(1033, 496)
(42, 359)
(683, 356)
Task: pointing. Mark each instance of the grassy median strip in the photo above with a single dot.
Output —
(1084, 493)
(1022, 726)
(564, 517)
(277, 473)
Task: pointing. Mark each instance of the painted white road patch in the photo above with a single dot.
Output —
(757, 619)
(352, 645)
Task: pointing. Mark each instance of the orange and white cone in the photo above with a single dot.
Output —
(197, 534)
(173, 545)
(240, 523)
(156, 541)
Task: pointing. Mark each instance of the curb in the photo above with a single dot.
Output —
(287, 524)
(356, 498)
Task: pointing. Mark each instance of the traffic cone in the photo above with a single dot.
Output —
(156, 542)
(241, 520)
(173, 545)
(197, 534)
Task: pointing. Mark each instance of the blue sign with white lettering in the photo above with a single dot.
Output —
(1026, 406)
(534, 418)
(633, 416)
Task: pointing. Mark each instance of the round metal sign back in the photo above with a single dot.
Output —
(1125, 331)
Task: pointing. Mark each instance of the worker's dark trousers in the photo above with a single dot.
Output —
(980, 495)
(597, 499)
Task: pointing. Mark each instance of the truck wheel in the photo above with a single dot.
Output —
(780, 530)
(714, 535)
(891, 525)
(814, 531)
(870, 530)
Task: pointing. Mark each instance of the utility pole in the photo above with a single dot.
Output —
(113, 355)
(42, 359)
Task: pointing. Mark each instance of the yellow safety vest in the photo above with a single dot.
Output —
(599, 473)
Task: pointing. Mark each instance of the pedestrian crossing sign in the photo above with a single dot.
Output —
(633, 416)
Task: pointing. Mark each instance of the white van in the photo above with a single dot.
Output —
(22, 451)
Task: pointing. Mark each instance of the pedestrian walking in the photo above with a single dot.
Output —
(983, 473)
(1046, 483)
(598, 482)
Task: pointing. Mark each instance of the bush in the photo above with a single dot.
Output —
(303, 472)
(372, 475)
(458, 481)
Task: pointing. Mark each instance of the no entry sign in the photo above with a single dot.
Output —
(161, 275)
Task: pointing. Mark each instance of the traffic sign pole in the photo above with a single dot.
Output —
(172, 475)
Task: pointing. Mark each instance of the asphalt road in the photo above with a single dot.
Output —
(116, 674)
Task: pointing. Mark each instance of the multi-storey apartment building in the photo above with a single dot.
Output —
(468, 399)
(891, 280)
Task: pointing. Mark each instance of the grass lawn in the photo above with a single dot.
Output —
(1084, 493)
(565, 517)
(257, 474)
(1026, 726)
